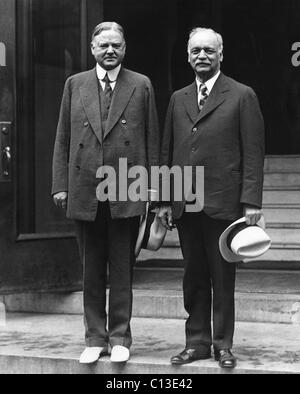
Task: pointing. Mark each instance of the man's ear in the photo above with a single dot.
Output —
(92, 48)
(221, 56)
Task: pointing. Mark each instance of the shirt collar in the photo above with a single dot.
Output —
(210, 83)
(112, 74)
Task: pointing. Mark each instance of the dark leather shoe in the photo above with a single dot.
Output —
(189, 355)
(226, 358)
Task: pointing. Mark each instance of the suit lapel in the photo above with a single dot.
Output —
(216, 97)
(191, 102)
(122, 93)
(90, 98)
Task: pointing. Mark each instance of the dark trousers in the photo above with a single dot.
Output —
(107, 243)
(209, 282)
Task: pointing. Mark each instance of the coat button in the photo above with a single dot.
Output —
(81, 146)
(127, 143)
(195, 129)
(78, 167)
(193, 150)
(86, 124)
(123, 121)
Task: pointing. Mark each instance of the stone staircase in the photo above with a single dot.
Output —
(281, 203)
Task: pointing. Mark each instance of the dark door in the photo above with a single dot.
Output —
(259, 37)
(42, 43)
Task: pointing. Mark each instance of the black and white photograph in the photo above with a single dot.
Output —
(149, 190)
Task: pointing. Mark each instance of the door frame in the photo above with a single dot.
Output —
(24, 179)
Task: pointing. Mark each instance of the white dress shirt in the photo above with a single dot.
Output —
(209, 84)
(112, 75)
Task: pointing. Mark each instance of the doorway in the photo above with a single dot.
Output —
(46, 41)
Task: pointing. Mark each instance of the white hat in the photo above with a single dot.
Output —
(152, 233)
(240, 241)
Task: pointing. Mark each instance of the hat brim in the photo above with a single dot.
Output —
(226, 253)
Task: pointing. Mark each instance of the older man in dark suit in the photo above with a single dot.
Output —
(215, 122)
(107, 113)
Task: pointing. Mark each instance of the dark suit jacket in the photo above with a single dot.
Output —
(81, 145)
(227, 138)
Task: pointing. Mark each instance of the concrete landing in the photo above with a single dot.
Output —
(51, 344)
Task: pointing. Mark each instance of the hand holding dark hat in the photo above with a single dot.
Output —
(60, 199)
(165, 216)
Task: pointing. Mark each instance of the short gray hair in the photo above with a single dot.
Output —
(108, 26)
(196, 30)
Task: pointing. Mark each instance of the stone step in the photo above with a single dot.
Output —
(280, 197)
(281, 179)
(284, 253)
(167, 304)
(260, 296)
(51, 344)
(170, 253)
(280, 163)
(278, 235)
(281, 214)
(291, 226)
(284, 235)
(278, 253)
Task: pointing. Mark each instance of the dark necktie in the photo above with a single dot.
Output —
(107, 92)
(203, 95)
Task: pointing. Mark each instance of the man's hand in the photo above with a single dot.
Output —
(252, 214)
(165, 216)
(60, 199)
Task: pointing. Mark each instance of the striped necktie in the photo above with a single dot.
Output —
(203, 95)
(107, 91)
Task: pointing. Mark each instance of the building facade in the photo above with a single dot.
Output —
(43, 42)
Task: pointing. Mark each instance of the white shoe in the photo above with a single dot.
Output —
(91, 355)
(119, 354)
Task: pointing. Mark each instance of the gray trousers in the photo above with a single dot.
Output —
(107, 245)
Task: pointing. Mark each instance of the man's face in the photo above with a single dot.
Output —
(205, 55)
(109, 49)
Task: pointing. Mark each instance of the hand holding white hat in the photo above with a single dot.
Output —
(240, 241)
(252, 214)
